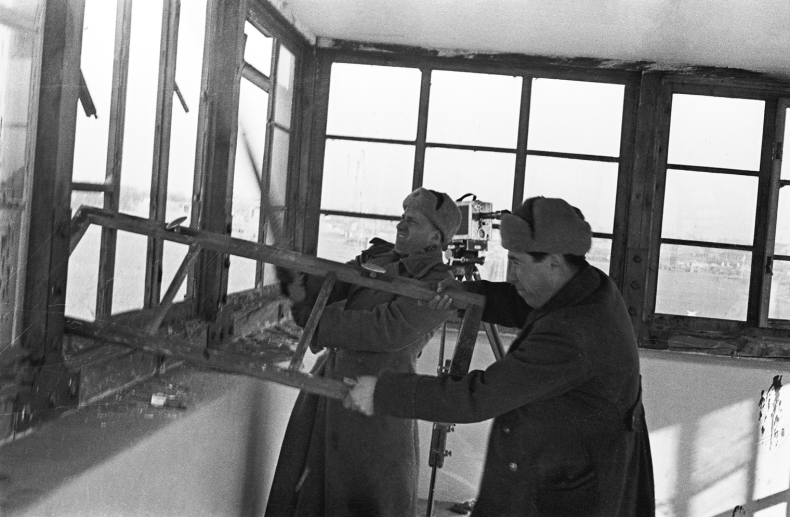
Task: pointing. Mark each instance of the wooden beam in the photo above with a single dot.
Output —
(311, 180)
(215, 359)
(767, 209)
(422, 128)
(168, 50)
(219, 104)
(50, 214)
(520, 174)
(117, 124)
(625, 185)
(256, 77)
(289, 259)
(640, 243)
(312, 322)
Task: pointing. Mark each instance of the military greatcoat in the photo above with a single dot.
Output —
(569, 436)
(337, 462)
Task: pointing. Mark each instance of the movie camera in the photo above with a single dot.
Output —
(470, 243)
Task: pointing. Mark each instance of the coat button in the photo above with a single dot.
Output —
(506, 430)
(513, 467)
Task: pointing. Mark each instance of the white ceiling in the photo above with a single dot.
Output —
(748, 34)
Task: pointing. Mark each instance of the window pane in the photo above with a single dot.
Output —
(258, 49)
(241, 275)
(285, 82)
(373, 101)
(709, 207)
(589, 186)
(474, 109)
(785, 157)
(138, 142)
(98, 42)
(82, 282)
(183, 136)
(173, 256)
(246, 175)
(278, 177)
(458, 172)
(494, 266)
(342, 238)
(80, 198)
(704, 282)
(783, 223)
(366, 177)
(575, 117)
(129, 281)
(779, 308)
(716, 132)
(600, 254)
(275, 227)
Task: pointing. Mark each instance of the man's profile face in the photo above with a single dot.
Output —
(533, 279)
(415, 232)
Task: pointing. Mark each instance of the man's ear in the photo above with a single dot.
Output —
(556, 260)
(437, 237)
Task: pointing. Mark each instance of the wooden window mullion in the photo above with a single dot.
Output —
(520, 175)
(767, 209)
(120, 78)
(422, 128)
(161, 155)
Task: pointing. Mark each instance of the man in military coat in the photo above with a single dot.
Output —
(569, 436)
(337, 462)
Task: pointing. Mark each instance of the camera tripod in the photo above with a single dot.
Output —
(464, 268)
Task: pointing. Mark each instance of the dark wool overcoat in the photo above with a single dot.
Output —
(569, 436)
(337, 462)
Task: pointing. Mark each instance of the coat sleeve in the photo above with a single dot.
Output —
(504, 306)
(385, 327)
(313, 283)
(546, 364)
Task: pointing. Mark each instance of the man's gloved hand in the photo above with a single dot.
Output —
(291, 283)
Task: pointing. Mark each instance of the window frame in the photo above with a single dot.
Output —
(758, 335)
(641, 179)
(427, 65)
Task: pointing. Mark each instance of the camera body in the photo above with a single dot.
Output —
(470, 242)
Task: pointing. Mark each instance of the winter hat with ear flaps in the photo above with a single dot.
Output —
(546, 225)
(439, 208)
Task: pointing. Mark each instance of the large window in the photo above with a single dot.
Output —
(779, 306)
(135, 146)
(20, 38)
(708, 224)
(499, 137)
(260, 176)
(574, 152)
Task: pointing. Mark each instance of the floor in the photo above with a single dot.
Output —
(440, 509)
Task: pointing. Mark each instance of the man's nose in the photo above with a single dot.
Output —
(401, 225)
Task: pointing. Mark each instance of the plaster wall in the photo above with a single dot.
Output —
(716, 447)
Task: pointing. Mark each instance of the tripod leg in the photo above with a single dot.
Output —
(491, 331)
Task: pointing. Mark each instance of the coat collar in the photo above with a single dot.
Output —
(416, 265)
(578, 288)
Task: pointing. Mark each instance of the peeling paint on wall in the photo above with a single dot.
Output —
(772, 430)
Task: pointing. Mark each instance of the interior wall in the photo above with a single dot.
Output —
(715, 444)
(716, 426)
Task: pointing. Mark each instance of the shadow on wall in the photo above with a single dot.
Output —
(718, 434)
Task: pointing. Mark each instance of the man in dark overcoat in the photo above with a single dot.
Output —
(569, 436)
(334, 461)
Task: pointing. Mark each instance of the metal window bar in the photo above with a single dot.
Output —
(175, 347)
